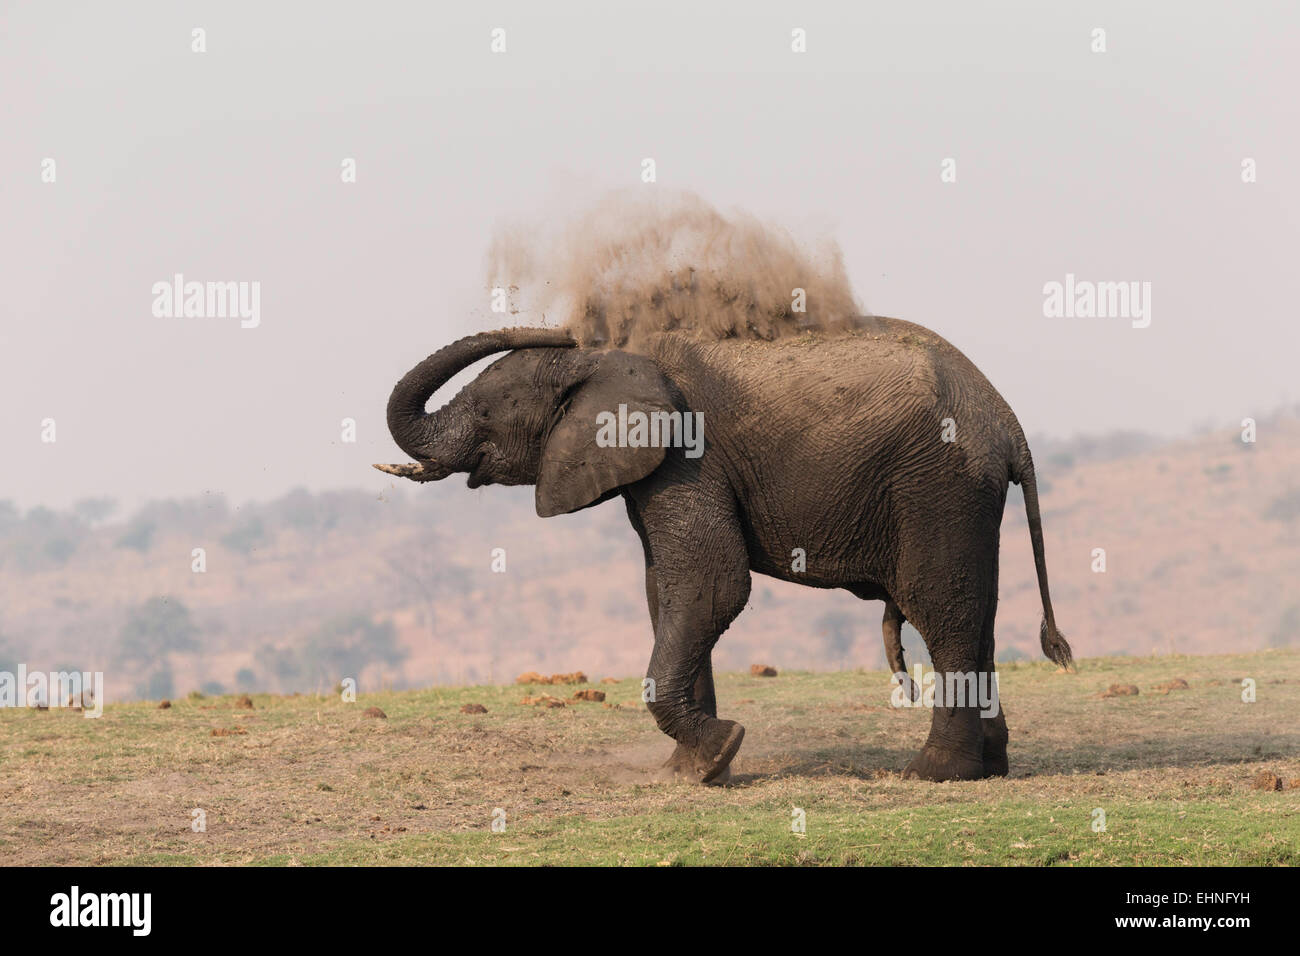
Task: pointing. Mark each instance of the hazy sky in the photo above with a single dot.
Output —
(225, 165)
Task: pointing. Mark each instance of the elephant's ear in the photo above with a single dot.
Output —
(576, 470)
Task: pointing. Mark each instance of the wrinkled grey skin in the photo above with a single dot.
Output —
(833, 443)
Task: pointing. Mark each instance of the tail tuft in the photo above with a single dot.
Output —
(1055, 646)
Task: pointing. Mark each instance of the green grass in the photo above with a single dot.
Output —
(314, 782)
(1223, 832)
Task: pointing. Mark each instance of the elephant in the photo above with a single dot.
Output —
(874, 459)
(891, 627)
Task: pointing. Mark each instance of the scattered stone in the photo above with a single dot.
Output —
(1122, 690)
(1266, 780)
(164, 705)
(374, 712)
(577, 677)
(761, 670)
(589, 694)
(532, 677)
(228, 731)
(244, 702)
(473, 709)
(542, 700)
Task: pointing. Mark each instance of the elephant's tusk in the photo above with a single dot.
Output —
(415, 470)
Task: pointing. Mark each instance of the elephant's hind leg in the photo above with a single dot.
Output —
(954, 749)
(891, 626)
(994, 726)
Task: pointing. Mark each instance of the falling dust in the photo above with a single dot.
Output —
(631, 266)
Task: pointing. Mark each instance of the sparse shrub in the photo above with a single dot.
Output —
(156, 628)
(158, 685)
(1285, 507)
(138, 535)
(246, 537)
(343, 646)
(94, 510)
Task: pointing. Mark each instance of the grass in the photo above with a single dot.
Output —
(313, 781)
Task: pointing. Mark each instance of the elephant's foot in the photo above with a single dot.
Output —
(936, 764)
(718, 744)
(683, 765)
(995, 767)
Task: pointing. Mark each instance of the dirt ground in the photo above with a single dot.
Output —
(315, 780)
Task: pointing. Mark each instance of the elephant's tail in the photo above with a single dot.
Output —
(1053, 641)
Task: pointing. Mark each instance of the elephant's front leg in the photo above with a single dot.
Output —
(682, 761)
(701, 572)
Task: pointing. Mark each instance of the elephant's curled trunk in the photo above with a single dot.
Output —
(416, 430)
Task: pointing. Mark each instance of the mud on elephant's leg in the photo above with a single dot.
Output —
(689, 626)
(682, 762)
(702, 571)
(954, 749)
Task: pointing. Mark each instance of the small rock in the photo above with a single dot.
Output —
(543, 700)
(374, 712)
(473, 709)
(532, 677)
(577, 677)
(1265, 780)
(761, 670)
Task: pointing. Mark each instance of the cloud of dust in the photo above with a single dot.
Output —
(631, 266)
